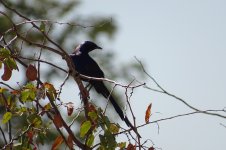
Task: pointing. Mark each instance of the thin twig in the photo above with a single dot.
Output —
(176, 97)
(7, 85)
(3, 134)
(105, 109)
(13, 39)
(16, 138)
(43, 61)
(111, 81)
(61, 86)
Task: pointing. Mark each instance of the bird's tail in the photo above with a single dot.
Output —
(102, 89)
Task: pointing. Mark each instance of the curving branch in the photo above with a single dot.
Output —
(163, 91)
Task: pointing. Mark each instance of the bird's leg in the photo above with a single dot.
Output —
(88, 87)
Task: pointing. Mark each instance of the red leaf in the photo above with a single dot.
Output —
(131, 147)
(148, 113)
(7, 73)
(58, 141)
(57, 121)
(30, 136)
(31, 73)
(151, 148)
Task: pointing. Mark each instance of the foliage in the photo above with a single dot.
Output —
(31, 113)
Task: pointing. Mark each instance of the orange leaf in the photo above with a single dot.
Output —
(58, 141)
(148, 113)
(31, 73)
(7, 73)
(48, 85)
(70, 142)
(131, 147)
(57, 121)
(15, 92)
(70, 108)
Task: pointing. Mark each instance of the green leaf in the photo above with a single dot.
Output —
(108, 140)
(21, 110)
(35, 120)
(92, 115)
(4, 53)
(85, 128)
(25, 95)
(48, 106)
(42, 27)
(32, 95)
(29, 93)
(114, 128)
(51, 91)
(6, 117)
(41, 138)
(90, 140)
(8, 100)
(122, 145)
(11, 63)
(29, 86)
(107, 121)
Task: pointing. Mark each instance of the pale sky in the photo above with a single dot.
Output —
(183, 44)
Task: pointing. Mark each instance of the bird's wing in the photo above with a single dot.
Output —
(92, 69)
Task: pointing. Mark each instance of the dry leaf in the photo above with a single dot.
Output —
(131, 147)
(151, 148)
(70, 108)
(31, 73)
(57, 121)
(7, 73)
(148, 113)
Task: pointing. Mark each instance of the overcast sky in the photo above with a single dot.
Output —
(183, 44)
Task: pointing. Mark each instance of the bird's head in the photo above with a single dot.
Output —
(86, 47)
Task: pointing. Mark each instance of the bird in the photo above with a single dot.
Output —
(86, 65)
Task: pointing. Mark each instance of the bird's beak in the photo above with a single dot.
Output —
(98, 47)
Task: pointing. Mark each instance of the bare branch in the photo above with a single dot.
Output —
(3, 134)
(176, 97)
(7, 85)
(43, 61)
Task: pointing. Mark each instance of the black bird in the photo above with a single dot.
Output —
(85, 65)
